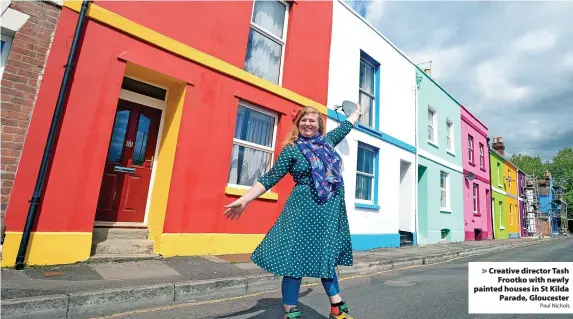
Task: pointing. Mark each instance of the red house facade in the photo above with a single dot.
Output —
(174, 109)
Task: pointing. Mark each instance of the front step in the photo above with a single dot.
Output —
(101, 234)
(123, 247)
(112, 243)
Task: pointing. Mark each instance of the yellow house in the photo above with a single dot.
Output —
(511, 200)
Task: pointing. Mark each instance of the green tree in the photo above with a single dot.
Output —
(530, 165)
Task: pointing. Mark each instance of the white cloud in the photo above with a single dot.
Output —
(536, 41)
(493, 81)
(446, 62)
(568, 61)
(375, 11)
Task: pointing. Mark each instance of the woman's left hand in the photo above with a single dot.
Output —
(355, 115)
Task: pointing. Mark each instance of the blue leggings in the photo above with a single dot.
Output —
(291, 288)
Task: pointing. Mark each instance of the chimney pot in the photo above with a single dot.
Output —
(428, 72)
(498, 145)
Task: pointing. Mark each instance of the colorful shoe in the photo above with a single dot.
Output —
(342, 312)
(293, 314)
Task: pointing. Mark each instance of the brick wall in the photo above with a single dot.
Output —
(20, 83)
(543, 228)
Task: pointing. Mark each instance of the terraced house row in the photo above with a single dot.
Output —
(170, 110)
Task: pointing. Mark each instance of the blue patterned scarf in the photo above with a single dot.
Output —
(325, 163)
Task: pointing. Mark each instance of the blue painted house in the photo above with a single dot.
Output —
(547, 202)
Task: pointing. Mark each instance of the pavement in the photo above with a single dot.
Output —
(98, 287)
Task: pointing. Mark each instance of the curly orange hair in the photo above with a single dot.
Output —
(293, 134)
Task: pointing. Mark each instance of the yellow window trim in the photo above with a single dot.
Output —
(145, 34)
(236, 191)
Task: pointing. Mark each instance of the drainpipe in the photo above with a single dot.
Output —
(491, 193)
(48, 149)
(416, 223)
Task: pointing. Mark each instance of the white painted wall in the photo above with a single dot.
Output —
(387, 220)
(350, 34)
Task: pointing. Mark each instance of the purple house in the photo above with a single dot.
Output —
(521, 199)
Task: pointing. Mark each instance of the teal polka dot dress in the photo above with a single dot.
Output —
(308, 239)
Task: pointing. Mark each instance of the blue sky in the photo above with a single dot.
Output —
(510, 63)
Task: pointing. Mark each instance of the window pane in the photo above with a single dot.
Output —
(118, 136)
(369, 161)
(430, 117)
(141, 140)
(143, 88)
(442, 180)
(247, 165)
(263, 57)
(254, 127)
(365, 162)
(430, 133)
(360, 164)
(365, 102)
(366, 77)
(442, 198)
(363, 187)
(271, 16)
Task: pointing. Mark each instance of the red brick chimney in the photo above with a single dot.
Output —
(498, 145)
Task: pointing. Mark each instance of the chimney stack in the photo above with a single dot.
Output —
(428, 72)
(498, 145)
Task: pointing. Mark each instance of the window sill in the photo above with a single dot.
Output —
(477, 215)
(451, 153)
(433, 144)
(445, 210)
(369, 129)
(472, 164)
(482, 169)
(236, 191)
(367, 206)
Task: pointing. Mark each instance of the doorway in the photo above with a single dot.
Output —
(128, 171)
(406, 197)
(478, 235)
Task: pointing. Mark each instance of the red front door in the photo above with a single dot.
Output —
(125, 182)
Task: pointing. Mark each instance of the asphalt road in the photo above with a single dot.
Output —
(437, 291)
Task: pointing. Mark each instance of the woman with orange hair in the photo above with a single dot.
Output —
(311, 236)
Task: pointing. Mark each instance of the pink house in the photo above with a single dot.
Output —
(477, 196)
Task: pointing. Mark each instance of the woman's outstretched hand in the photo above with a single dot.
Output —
(235, 209)
(355, 115)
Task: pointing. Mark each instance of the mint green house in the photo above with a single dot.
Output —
(440, 172)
